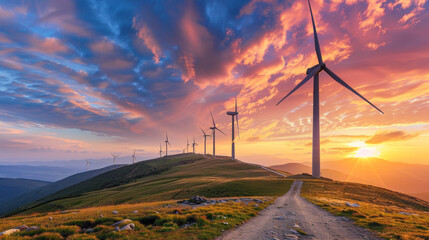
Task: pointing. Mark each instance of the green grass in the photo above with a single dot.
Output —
(379, 208)
(175, 177)
(158, 220)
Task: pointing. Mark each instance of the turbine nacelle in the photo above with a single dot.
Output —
(232, 113)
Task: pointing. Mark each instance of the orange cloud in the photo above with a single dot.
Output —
(148, 38)
(49, 45)
(387, 136)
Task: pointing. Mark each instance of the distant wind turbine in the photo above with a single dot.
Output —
(314, 72)
(134, 156)
(214, 128)
(187, 145)
(160, 151)
(193, 145)
(205, 139)
(87, 164)
(114, 157)
(166, 142)
(234, 114)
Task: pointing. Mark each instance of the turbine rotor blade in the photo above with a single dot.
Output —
(316, 39)
(310, 75)
(235, 103)
(214, 124)
(220, 131)
(340, 81)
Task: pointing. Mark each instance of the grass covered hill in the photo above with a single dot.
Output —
(173, 177)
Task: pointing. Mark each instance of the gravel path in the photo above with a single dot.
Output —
(290, 212)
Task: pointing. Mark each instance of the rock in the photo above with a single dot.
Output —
(291, 237)
(280, 218)
(198, 199)
(245, 199)
(123, 221)
(32, 228)
(293, 231)
(50, 218)
(225, 223)
(257, 200)
(89, 230)
(129, 227)
(296, 226)
(352, 204)
(22, 227)
(101, 215)
(256, 205)
(135, 211)
(405, 213)
(115, 212)
(345, 219)
(9, 232)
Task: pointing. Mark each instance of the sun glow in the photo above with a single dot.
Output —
(364, 151)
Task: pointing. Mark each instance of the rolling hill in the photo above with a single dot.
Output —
(298, 168)
(43, 190)
(42, 173)
(397, 176)
(12, 187)
(173, 177)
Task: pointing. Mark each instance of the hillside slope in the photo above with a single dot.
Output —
(298, 168)
(397, 176)
(174, 177)
(390, 214)
(42, 173)
(12, 187)
(34, 194)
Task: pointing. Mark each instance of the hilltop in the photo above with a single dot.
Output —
(173, 177)
(12, 187)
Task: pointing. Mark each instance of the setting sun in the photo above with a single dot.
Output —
(365, 152)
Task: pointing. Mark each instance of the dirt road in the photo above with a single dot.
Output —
(290, 212)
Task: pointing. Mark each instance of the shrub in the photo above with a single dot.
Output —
(66, 231)
(32, 232)
(191, 218)
(179, 220)
(209, 216)
(82, 237)
(48, 236)
(375, 226)
(160, 221)
(106, 221)
(81, 224)
(149, 219)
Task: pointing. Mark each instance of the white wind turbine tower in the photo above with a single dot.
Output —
(205, 139)
(166, 142)
(234, 115)
(214, 128)
(87, 164)
(314, 72)
(134, 156)
(193, 145)
(114, 157)
(160, 151)
(187, 145)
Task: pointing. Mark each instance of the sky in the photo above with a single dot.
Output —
(84, 79)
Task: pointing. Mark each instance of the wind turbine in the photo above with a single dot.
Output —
(166, 142)
(114, 157)
(205, 139)
(134, 156)
(193, 145)
(187, 145)
(234, 114)
(314, 72)
(87, 164)
(214, 128)
(160, 151)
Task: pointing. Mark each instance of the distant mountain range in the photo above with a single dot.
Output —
(12, 187)
(397, 176)
(35, 193)
(42, 173)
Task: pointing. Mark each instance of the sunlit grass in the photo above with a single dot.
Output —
(155, 220)
(379, 208)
